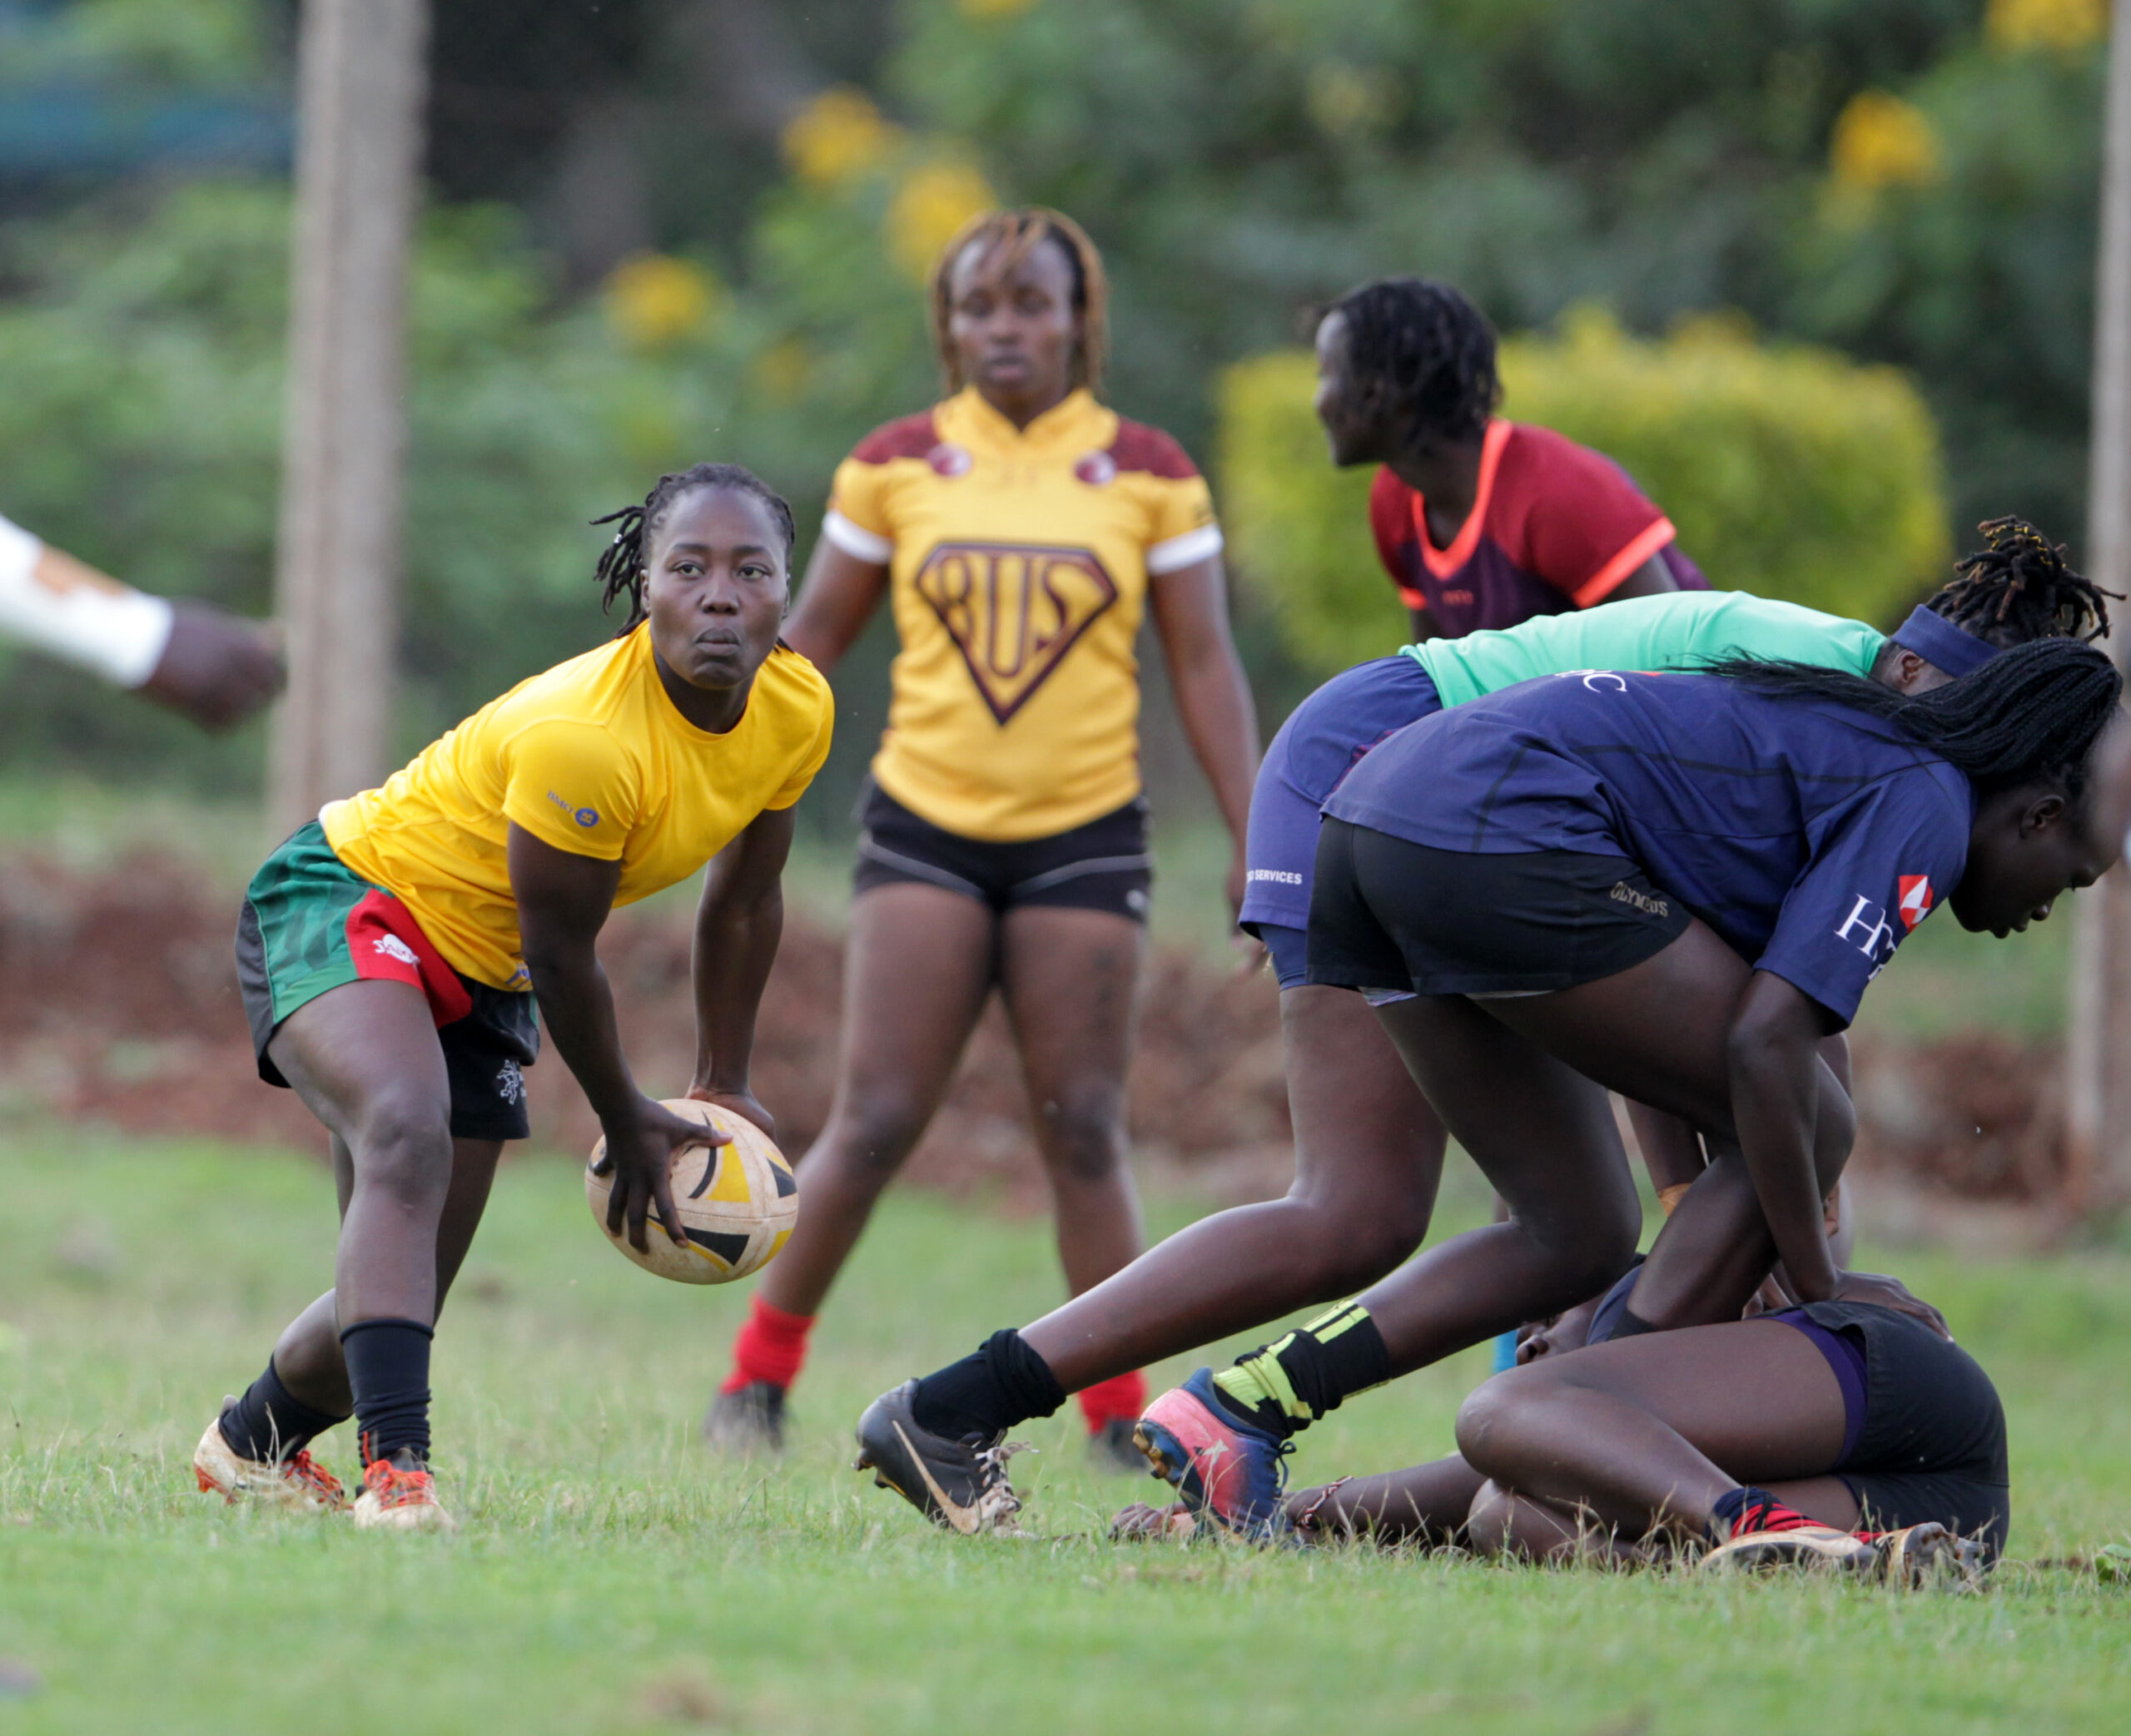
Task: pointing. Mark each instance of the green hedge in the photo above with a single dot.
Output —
(1791, 471)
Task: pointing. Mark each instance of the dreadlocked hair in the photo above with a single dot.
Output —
(621, 569)
(2019, 588)
(1008, 237)
(1429, 347)
(2029, 715)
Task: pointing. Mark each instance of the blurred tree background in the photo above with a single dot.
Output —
(665, 230)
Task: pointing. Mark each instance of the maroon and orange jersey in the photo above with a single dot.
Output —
(1554, 526)
(1018, 561)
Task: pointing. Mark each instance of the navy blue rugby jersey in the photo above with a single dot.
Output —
(1810, 836)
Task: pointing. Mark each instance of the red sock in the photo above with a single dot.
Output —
(771, 1346)
(1124, 1394)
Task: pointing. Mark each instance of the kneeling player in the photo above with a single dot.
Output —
(391, 953)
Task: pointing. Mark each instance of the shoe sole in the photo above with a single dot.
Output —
(1770, 1549)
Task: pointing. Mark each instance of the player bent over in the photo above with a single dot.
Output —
(391, 953)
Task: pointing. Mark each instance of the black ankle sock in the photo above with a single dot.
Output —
(1630, 1325)
(389, 1371)
(1005, 1382)
(268, 1425)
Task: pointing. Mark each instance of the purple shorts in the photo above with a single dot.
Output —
(1323, 740)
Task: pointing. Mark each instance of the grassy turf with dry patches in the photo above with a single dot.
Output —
(611, 1577)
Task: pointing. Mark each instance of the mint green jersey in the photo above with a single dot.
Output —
(1677, 630)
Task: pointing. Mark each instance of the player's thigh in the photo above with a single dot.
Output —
(918, 963)
(1364, 1133)
(1656, 1032)
(1540, 1131)
(363, 1052)
(1756, 1397)
(1068, 976)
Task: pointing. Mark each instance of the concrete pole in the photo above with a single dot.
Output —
(2098, 1049)
(361, 75)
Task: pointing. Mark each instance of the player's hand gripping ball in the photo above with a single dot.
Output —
(738, 1202)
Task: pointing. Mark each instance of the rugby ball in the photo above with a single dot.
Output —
(739, 1202)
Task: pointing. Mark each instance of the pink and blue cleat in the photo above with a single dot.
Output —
(1227, 1470)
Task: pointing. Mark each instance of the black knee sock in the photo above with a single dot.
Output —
(389, 1371)
(268, 1425)
(1005, 1382)
(1294, 1381)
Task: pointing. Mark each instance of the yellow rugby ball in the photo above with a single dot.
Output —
(737, 1202)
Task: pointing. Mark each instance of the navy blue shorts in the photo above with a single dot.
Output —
(1323, 740)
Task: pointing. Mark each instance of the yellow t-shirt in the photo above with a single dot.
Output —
(1018, 565)
(593, 758)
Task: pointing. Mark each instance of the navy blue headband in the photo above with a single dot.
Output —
(1940, 643)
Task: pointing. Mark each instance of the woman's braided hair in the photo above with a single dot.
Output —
(2029, 715)
(1429, 348)
(2020, 587)
(1007, 238)
(621, 569)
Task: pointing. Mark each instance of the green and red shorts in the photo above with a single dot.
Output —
(309, 925)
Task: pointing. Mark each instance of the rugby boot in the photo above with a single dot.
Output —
(1767, 1534)
(1226, 1470)
(960, 1486)
(296, 1482)
(1928, 1556)
(399, 1498)
(747, 1422)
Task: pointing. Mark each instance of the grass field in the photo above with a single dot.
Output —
(611, 1577)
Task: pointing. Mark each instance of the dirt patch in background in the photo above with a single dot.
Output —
(118, 1003)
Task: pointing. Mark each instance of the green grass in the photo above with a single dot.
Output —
(611, 1577)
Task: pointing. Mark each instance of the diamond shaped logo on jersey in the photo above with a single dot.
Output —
(1014, 611)
(1913, 901)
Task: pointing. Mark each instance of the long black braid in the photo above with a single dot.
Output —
(2020, 587)
(621, 569)
(1430, 348)
(2029, 715)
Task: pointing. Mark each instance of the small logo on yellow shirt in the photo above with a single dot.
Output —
(1098, 470)
(950, 460)
(1014, 611)
(583, 817)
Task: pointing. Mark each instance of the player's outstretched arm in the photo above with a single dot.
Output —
(211, 666)
(739, 924)
(216, 668)
(563, 903)
(1774, 1046)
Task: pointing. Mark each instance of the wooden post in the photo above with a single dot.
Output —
(361, 72)
(2098, 1046)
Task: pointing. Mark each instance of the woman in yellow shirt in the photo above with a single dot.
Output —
(1019, 531)
(392, 951)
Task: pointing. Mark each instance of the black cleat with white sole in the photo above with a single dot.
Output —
(960, 1486)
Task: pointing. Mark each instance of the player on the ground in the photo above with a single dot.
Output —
(392, 952)
(1369, 1150)
(1018, 532)
(194, 658)
(1841, 1434)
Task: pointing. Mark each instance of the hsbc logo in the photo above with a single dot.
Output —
(1867, 928)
